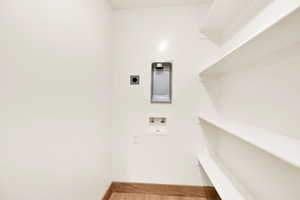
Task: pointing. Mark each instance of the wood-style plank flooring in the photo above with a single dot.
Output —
(139, 196)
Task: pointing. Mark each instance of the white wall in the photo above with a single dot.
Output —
(138, 34)
(54, 99)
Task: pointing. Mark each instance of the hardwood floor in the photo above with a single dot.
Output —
(147, 191)
(140, 196)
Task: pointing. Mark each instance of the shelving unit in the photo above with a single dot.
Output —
(223, 184)
(282, 36)
(228, 17)
(283, 147)
(255, 81)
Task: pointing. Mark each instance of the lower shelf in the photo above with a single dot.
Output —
(223, 184)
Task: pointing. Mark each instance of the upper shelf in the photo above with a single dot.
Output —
(228, 17)
(281, 146)
(279, 35)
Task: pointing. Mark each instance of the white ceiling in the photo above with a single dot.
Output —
(122, 4)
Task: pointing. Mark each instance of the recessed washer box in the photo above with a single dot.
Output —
(161, 82)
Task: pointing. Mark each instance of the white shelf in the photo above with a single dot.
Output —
(281, 146)
(226, 17)
(223, 184)
(280, 32)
